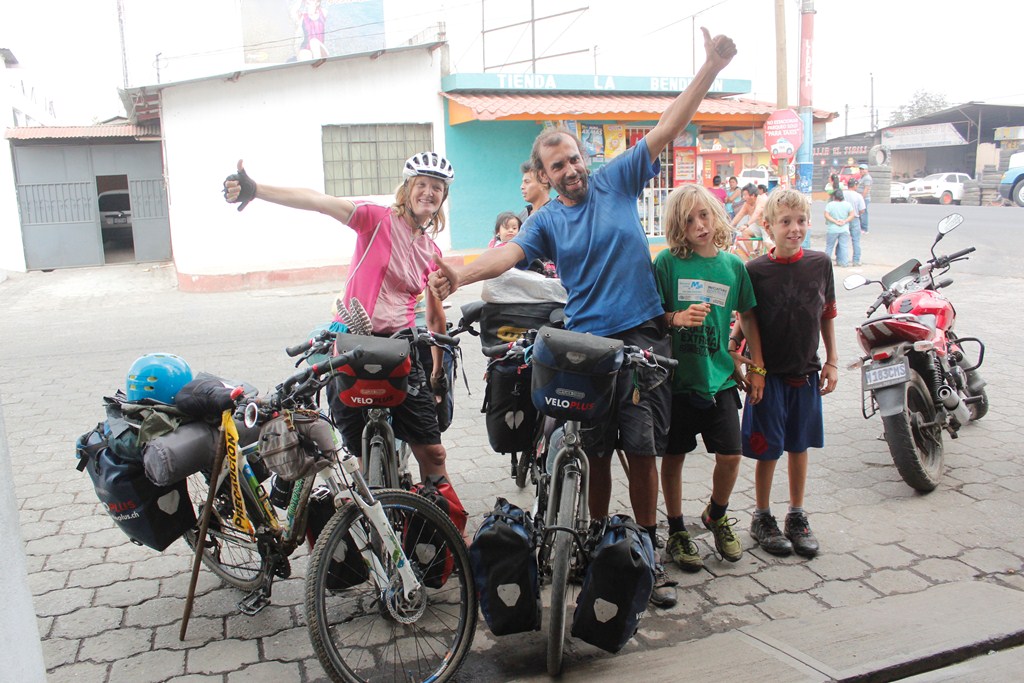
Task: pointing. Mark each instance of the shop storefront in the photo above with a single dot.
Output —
(492, 120)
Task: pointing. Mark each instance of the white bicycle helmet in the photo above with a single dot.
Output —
(429, 164)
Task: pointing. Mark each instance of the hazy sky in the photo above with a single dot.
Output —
(965, 51)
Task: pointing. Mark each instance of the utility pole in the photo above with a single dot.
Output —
(781, 77)
(874, 120)
(124, 55)
(805, 155)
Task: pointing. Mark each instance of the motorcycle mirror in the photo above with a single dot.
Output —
(949, 223)
(854, 281)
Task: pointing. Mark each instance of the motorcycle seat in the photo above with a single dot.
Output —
(927, 320)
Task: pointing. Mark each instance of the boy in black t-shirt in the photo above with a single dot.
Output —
(796, 304)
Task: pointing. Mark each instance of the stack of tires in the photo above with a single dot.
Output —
(972, 194)
(1004, 158)
(881, 177)
(990, 177)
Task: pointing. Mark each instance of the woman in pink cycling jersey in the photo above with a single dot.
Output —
(393, 257)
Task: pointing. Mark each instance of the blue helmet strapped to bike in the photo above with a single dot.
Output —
(157, 376)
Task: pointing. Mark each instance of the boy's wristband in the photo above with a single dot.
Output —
(733, 340)
(757, 370)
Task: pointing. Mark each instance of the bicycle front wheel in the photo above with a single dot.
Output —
(362, 631)
(561, 556)
(376, 471)
(228, 552)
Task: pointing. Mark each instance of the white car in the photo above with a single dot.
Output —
(758, 176)
(115, 215)
(898, 193)
(945, 188)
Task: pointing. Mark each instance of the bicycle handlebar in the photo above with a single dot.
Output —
(319, 369)
(438, 338)
(497, 350)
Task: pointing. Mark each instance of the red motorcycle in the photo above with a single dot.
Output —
(916, 372)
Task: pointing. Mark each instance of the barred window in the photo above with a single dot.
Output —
(364, 160)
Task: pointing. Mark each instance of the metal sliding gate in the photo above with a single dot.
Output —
(57, 199)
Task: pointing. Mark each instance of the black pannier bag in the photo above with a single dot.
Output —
(506, 322)
(150, 515)
(377, 379)
(347, 567)
(511, 417)
(617, 586)
(574, 374)
(504, 563)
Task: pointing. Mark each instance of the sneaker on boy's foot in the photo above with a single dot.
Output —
(725, 539)
(765, 531)
(683, 552)
(664, 593)
(799, 532)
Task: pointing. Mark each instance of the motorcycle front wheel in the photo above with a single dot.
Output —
(915, 442)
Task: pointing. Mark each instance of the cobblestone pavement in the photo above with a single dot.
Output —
(110, 611)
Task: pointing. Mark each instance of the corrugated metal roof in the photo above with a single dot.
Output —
(125, 130)
(494, 106)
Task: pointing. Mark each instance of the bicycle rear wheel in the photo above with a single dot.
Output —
(364, 632)
(228, 552)
(561, 555)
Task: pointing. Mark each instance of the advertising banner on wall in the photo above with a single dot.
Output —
(916, 137)
(593, 141)
(276, 32)
(614, 140)
(684, 159)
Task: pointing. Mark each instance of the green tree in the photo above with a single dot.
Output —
(921, 103)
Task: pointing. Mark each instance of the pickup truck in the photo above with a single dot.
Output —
(1012, 185)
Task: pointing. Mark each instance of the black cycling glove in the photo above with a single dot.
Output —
(247, 191)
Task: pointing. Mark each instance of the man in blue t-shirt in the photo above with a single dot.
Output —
(593, 232)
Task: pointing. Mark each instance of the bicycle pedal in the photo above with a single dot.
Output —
(253, 603)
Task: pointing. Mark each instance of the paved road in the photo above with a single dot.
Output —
(109, 611)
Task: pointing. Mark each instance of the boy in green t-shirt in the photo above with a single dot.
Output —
(701, 285)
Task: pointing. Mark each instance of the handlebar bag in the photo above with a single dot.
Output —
(506, 322)
(616, 587)
(574, 374)
(377, 379)
(504, 561)
(511, 417)
(292, 442)
(148, 514)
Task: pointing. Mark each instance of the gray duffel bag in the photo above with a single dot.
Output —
(188, 449)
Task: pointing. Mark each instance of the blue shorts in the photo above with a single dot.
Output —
(788, 418)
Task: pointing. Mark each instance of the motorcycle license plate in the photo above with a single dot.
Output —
(886, 375)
